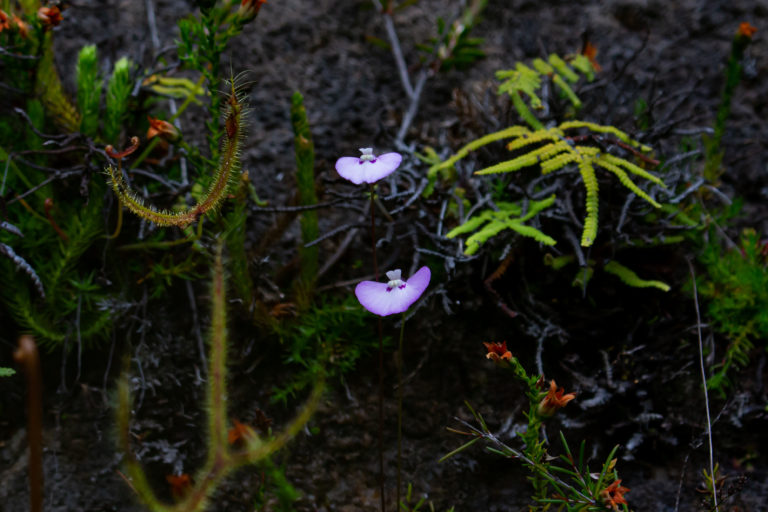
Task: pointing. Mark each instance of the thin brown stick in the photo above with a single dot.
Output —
(28, 357)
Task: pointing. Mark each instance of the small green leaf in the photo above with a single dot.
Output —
(629, 278)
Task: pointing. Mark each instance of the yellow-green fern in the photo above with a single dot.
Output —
(554, 148)
(489, 223)
(524, 80)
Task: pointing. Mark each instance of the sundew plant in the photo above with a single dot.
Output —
(252, 255)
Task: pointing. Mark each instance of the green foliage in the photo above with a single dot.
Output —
(235, 236)
(331, 334)
(202, 41)
(88, 90)
(735, 283)
(71, 306)
(455, 47)
(118, 94)
(630, 278)
(583, 489)
(555, 148)
(712, 144)
(275, 485)
(51, 92)
(222, 457)
(407, 505)
(524, 80)
(304, 149)
(489, 223)
(7, 372)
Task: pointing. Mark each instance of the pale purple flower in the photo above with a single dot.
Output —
(394, 296)
(367, 168)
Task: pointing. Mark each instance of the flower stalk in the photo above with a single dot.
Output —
(223, 458)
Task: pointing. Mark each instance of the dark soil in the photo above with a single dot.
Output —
(630, 355)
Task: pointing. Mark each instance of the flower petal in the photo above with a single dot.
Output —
(374, 297)
(349, 168)
(420, 280)
(352, 169)
(381, 300)
(383, 166)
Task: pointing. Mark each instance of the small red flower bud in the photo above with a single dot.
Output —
(249, 9)
(613, 495)
(49, 16)
(555, 399)
(746, 30)
(4, 23)
(498, 352)
(180, 484)
(163, 129)
(22, 26)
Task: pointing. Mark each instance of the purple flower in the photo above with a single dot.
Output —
(367, 168)
(394, 296)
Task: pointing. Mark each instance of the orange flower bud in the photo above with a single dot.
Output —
(746, 30)
(555, 399)
(22, 26)
(164, 129)
(498, 352)
(249, 9)
(613, 495)
(4, 23)
(49, 16)
(590, 52)
(180, 484)
(239, 432)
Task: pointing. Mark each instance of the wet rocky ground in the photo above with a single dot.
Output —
(629, 354)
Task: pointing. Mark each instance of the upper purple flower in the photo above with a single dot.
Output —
(394, 296)
(367, 168)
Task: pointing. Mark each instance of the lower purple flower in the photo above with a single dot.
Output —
(394, 296)
(367, 168)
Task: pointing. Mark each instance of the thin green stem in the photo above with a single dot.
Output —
(381, 357)
(400, 410)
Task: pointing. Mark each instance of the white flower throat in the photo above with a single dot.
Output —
(394, 280)
(367, 155)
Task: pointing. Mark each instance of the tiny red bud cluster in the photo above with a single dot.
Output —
(249, 9)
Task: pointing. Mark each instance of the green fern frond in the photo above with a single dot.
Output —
(522, 79)
(603, 162)
(560, 150)
(512, 131)
(507, 217)
(525, 80)
(634, 169)
(587, 172)
(538, 155)
(525, 112)
(563, 86)
(528, 137)
(558, 162)
(611, 130)
(562, 68)
(630, 278)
